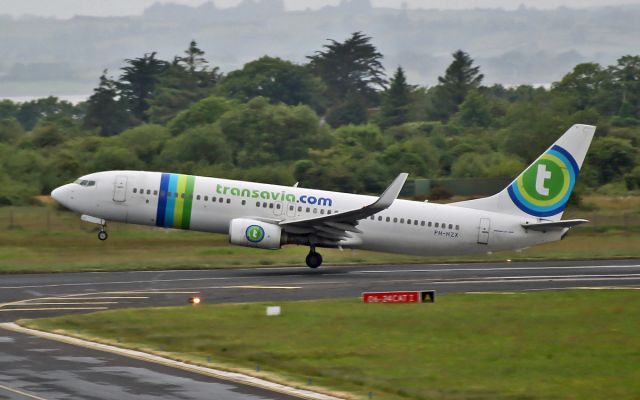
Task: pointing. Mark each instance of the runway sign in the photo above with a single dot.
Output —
(424, 296)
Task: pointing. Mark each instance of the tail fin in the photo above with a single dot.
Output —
(543, 189)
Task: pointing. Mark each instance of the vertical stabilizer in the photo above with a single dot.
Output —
(543, 189)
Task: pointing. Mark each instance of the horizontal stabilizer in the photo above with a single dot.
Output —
(554, 225)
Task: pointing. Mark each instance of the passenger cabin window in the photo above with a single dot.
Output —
(135, 190)
(148, 191)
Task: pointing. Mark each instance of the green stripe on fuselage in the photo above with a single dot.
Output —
(188, 202)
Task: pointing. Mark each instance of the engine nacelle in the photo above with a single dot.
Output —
(252, 233)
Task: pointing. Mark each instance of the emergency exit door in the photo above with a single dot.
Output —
(120, 189)
(483, 231)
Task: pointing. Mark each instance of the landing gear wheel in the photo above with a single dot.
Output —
(314, 260)
(102, 235)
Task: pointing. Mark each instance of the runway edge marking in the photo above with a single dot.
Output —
(21, 393)
(142, 356)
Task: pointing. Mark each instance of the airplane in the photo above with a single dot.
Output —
(527, 212)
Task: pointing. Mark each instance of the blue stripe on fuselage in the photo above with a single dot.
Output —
(171, 200)
(162, 200)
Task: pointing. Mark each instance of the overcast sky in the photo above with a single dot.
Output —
(68, 8)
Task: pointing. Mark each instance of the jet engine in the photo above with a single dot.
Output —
(252, 233)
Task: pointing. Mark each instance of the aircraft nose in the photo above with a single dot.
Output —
(61, 194)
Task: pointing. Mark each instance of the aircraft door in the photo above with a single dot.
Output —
(483, 231)
(120, 189)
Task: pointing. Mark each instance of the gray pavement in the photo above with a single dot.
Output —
(35, 368)
(42, 369)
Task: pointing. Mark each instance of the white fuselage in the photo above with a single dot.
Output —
(209, 205)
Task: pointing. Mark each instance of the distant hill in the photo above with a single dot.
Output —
(43, 56)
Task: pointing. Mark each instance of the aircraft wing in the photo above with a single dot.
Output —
(553, 225)
(337, 226)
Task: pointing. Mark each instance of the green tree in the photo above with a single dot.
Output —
(366, 136)
(106, 111)
(186, 80)
(46, 134)
(275, 79)
(416, 156)
(396, 101)
(49, 108)
(459, 78)
(486, 165)
(205, 111)
(201, 144)
(584, 84)
(350, 110)
(626, 74)
(342, 167)
(262, 133)
(10, 130)
(115, 158)
(193, 59)
(612, 158)
(475, 110)
(146, 141)
(8, 109)
(138, 82)
(352, 72)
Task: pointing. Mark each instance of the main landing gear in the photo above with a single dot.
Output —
(102, 235)
(314, 259)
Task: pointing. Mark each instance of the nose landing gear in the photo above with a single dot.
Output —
(102, 235)
(314, 259)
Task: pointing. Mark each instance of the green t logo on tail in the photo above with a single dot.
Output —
(544, 188)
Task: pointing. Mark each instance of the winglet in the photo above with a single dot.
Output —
(390, 194)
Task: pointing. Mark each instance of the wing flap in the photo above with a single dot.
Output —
(554, 225)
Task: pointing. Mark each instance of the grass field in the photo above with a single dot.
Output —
(44, 239)
(543, 345)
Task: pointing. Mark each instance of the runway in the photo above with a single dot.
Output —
(40, 369)
(39, 295)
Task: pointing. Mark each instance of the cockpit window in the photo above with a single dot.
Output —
(85, 182)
